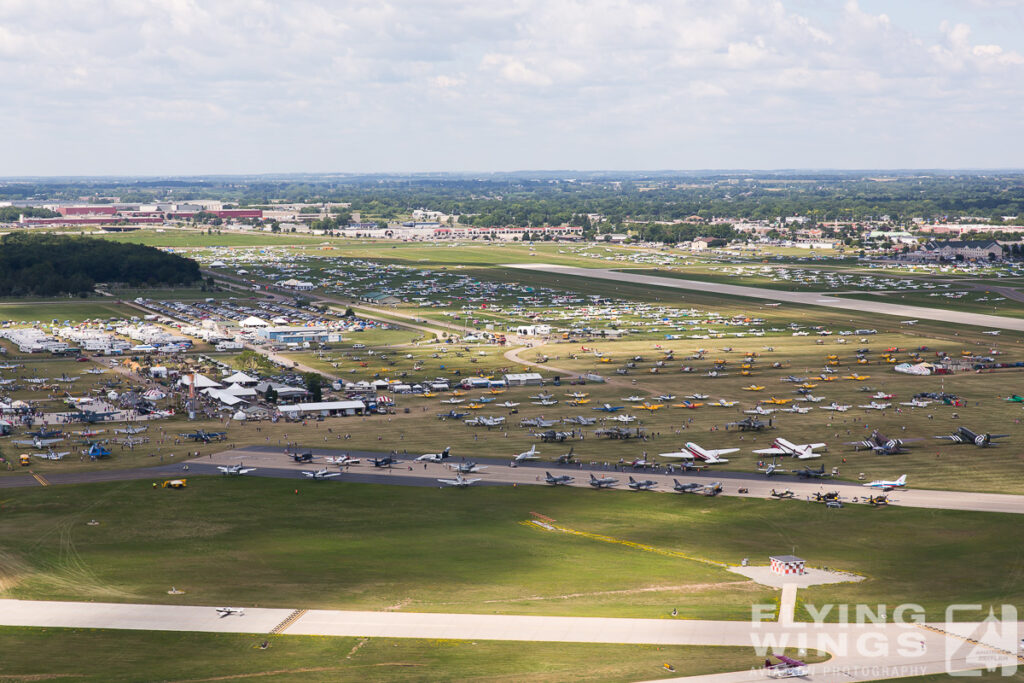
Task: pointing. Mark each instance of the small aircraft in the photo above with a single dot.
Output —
(794, 379)
(452, 415)
(580, 420)
(89, 433)
(881, 444)
(561, 480)
(228, 611)
(859, 378)
(800, 410)
(882, 396)
(875, 405)
(550, 436)
(537, 422)
(965, 435)
(468, 467)
(753, 387)
(917, 403)
(96, 451)
(642, 485)
(542, 396)
(633, 399)
(810, 398)
(685, 488)
(566, 458)
(650, 407)
(236, 470)
(302, 457)
(781, 446)
(759, 410)
(835, 407)
(475, 406)
(131, 430)
(386, 461)
(693, 451)
(808, 473)
(50, 454)
(603, 482)
(667, 397)
(888, 485)
(341, 460)
(776, 401)
(435, 457)
(204, 436)
(453, 401)
(993, 333)
(1012, 399)
(698, 397)
(716, 373)
(787, 668)
(606, 408)
(771, 470)
(321, 474)
(722, 403)
(531, 454)
(484, 421)
(788, 493)
(577, 395)
(459, 481)
(44, 433)
(576, 402)
(750, 424)
(687, 404)
(908, 322)
(509, 404)
(36, 442)
(90, 416)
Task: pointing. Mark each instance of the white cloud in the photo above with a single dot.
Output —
(356, 84)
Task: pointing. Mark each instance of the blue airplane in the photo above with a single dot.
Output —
(608, 408)
(97, 451)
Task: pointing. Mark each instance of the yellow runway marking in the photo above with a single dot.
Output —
(41, 479)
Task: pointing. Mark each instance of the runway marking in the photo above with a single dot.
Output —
(629, 544)
(288, 621)
(41, 479)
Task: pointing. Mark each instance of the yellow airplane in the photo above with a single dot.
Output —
(747, 373)
(832, 363)
(497, 391)
(753, 387)
(652, 408)
(719, 361)
(459, 393)
(747, 366)
(807, 385)
(863, 361)
(577, 394)
(427, 394)
(827, 378)
(604, 360)
(579, 402)
(687, 404)
(776, 401)
(890, 360)
(858, 377)
(832, 357)
(475, 406)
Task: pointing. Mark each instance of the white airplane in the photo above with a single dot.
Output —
(238, 469)
(459, 481)
(228, 611)
(875, 405)
(131, 430)
(692, 451)
(603, 482)
(435, 457)
(994, 333)
(836, 407)
(916, 403)
(888, 485)
(759, 410)
(36, 442)
(545, 402)
(722, 403)
(51, 455)
(341, 460)
(908, 322)
(453, 401)
(802, 410)
(699, 397)
(623, 418)
(881, 396)
(509, 404)
(484, 421)
(781, 446)
(468, 467)
(666, 397)
(633, 399)
(321, 474)
(527, 455)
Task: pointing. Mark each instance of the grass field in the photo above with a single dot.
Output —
(98, 656)
(61, 310)
(310, 544)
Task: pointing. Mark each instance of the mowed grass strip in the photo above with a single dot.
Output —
(274, 543)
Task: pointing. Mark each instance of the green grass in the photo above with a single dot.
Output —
(64, 309)
(101, 656)
(196, 239)
(354, 546)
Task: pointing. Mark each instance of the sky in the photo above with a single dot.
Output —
(190, 87)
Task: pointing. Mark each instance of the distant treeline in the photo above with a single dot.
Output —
(50, 265)
(9, 214)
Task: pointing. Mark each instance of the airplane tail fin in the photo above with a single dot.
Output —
(902, 480)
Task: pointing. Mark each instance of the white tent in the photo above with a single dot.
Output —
(239, 390)
(238, 416)
(253, 321)
(240, 378)
(202, 381)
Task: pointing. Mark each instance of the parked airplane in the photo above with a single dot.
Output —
(236, 470)
(468, 467)
(606, 408)
(771, 469)
(750, 424)
(965, 435)
(96, 451)
(693, 451)
(459, 481)
(204, 436)
(50, 454)
(531, 454)
(131, 430)
(881, 444)
(992, 332)
(782, 446)
(697, 397)
(537, 422)
(808, 473)
(759, 410)
(509, 404)
(722, 403)
(566, 458)
(580, 420)
(435, 457)
(686, 488)
(633, 399)
(561, 480)
(642, 485)
(44, 433)
(623, 418)
(800, 410)
(888, 485)
(484, 421)
(228, 611)
(386, 461)
(603, 482)
(875, 405)
(452, 415)
(321, 474)
(341, 460)
(835, 407)
(36, 442)
(546, 402)
(908, 322)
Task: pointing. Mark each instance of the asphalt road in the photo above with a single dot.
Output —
(804, 298)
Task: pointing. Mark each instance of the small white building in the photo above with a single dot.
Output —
(786, 564)
(524, 379)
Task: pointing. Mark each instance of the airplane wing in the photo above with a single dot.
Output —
(771, 451)
(682, 455)
(719, 452)
(330, 474)
(814, 446)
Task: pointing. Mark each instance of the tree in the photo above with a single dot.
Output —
(271, 395)
(314, 385)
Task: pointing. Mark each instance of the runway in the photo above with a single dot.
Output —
(860, 652)
(803, 298)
